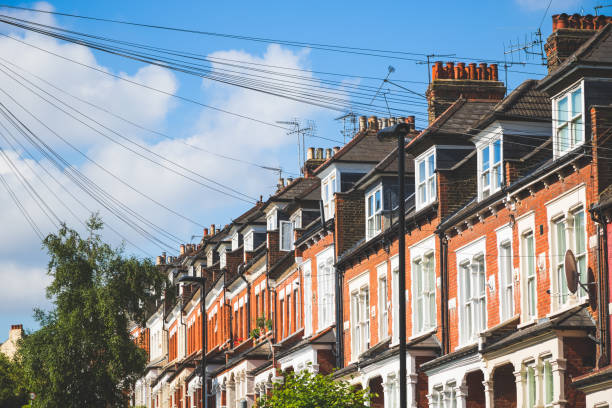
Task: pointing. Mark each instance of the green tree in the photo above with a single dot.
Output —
(83, 354)
(12, 390)
(307, 390)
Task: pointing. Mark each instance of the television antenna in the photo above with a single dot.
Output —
(349, 125)
(599, 7)
(428, 62)
(300, 131)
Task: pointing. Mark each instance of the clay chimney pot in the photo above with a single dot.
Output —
(182, 249)
(319, 153)
(373, 123)
(310, 153)
(363, 123)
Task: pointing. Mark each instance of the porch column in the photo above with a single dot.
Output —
(488, 391)
(539, 380)
(412, 395)
(558, 371)
(389, 390)
(461, 393)
(520, 387)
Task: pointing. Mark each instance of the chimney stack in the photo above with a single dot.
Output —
(328, 154)
(450, 82)
(314, 158)
(569, 33)
(212, 229)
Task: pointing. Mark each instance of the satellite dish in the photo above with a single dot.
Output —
(592, 289)
(571, 273)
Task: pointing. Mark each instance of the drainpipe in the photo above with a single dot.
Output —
(248, 304)
(339, 317)
(444, 292)
(604, 291)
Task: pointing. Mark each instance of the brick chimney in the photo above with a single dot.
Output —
(569, 33)
(450, 82)
(312, 161)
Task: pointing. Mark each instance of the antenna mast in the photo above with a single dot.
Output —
(301, 132)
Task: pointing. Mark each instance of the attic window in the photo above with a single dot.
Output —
(426, 178)
(286, 235)
(271, 220)
(490, 167)
(568, 120)
(374, 213)
(328, 190)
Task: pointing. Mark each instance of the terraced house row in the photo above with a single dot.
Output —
(503, 193)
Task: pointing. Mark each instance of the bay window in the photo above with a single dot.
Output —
(426, 178)
(325, 280)
(374, 213)
(491, 175)
(568, 121)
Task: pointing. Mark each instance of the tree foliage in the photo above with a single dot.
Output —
(83, 354)
(12, 391)
(307, 390)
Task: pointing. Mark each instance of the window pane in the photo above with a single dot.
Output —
(377, 201)
(485, 158)
(370, 206)
(562, 110)
(496, 151)
(577, 130)
(432, 188)
(498, 176)
(431, 168)
(579, 231)
(548, 378)
(563, 137)
(577, 102)
(422, 193)
(531, 385)
(422, 170)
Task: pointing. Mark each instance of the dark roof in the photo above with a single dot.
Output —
(297, 189)
(593, 378)
(460, 116)
(251, 214)
(596, 51)
(365, 147)
(524, 103)
(575, 318)
(387, 165)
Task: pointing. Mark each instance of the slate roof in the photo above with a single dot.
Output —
(459, 117)
(525, 102)
(298, 188)
(365, 147)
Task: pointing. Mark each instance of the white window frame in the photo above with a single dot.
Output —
(472, 303)
(531, 384)
(235, 241)
(383, 303)
(573, 124)
(272, 220)
(428, 184)
(548, 382)
(394, 300)
(285, 243)
(325, 288)
(374, 215)
(249, 241)
(329, 187)
(360, 321)
(296, 219)
(423, 293)
(506, 273)
(492, 170)
(307, 271)
(530, 275)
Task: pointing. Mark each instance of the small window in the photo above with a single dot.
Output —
(249, 241)
(569, 129)
(507, 284)
(286, 236)
(424, 293)
(491, 175)
(426, 178)
(374, 213)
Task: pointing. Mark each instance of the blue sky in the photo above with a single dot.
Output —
(472, 30)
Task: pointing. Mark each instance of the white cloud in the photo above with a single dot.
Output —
(211, 130)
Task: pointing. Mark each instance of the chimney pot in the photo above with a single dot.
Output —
(17, 327)
(328, 154)
(310, 153)
(182, 249)
(363, 123)
(373, 123)
(158, 260)
(212, 229)
(281, 183)
(205, 232)
(336, 149)
(319, 152)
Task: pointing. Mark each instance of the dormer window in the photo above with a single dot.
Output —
(374, 213)
(426, 178)
(271, 220)
(568, 120)
(328, 189)
(249, 241)
(296, 219)
(235, 241)
(490, 167)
